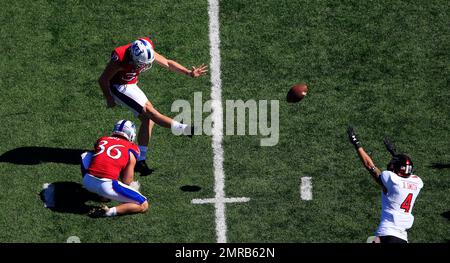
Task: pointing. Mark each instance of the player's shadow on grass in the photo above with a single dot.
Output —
(67, 197)
(440, 166)
(190, 188)
(446, 215)
(35, 155)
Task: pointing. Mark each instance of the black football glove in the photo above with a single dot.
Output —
(389, 146)
(352, 137)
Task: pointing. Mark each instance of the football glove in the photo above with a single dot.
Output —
(353, 138)
(389, 146)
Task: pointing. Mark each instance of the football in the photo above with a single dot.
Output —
(297, 93)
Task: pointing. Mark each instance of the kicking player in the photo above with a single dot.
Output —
(119, 85)
(400, 189)
(109, 171)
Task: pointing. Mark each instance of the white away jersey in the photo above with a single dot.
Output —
(397, 204)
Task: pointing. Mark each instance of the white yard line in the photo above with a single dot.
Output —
(306, 188)
(217, 129)
(217, 117)
(221, 200)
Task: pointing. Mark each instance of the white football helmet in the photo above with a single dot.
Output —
(125, 129)
(142, 53)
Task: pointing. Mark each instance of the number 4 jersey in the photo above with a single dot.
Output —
(397, 204)
(111, 156)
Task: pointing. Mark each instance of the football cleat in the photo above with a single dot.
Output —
(142, 168)
(191, 132)
(98, 212)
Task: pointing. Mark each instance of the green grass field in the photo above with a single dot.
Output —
(383, 67)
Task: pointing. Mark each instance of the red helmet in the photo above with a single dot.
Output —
(401, 164)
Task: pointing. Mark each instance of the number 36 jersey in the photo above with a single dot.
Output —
(397, 204)
(111, 156)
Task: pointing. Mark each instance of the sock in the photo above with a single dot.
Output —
(178, 128)
(111, 212)
(143, 154)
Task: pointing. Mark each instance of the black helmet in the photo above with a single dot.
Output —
(401, 164)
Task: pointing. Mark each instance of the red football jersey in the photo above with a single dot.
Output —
(111, 156)
(129, 75)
